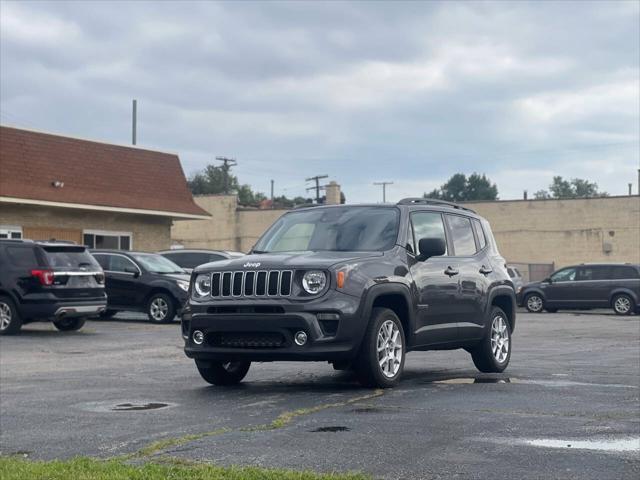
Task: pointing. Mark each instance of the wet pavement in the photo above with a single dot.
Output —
(567, 407)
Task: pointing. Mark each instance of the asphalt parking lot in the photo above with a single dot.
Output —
(567, 407)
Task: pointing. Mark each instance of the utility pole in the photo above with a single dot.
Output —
(271, 193)
(384, 189)
(134, 122)
(317, 188)
(228, 163)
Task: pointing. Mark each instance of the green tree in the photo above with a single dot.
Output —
(574, 188)
(459, 188)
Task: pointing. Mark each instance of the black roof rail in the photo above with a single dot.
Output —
(432, 201)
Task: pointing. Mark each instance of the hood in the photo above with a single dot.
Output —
(175, 276)
(286, 260)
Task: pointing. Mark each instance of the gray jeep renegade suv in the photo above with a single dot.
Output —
(358, 286)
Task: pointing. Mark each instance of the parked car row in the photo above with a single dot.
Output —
(65, 283)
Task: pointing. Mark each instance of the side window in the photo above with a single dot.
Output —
(119, 264)
(103, 260)
(427, 225)
(23, 256)
(566, 275)
(620, 272)
(463, 241)
(482, 240)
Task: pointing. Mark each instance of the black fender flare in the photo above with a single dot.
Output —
(503, 290)
(391, 288)
(15, 298)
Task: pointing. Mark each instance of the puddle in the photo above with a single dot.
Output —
(460, 381)
(124, 406)
(367, 410)
(128, 407)
(569, 383)
(331, 429)
(603, 445)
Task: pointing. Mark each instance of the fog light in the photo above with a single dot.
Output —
(300, 338)
(198, 337)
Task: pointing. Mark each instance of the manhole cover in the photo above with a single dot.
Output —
(331, 429)
(127, 407)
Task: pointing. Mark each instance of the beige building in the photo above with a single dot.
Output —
(97, 194)
(552, 233)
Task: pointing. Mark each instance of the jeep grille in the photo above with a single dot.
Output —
(263, 283)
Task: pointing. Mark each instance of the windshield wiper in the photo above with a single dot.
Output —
(259, 251)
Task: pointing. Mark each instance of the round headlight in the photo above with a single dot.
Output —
(202, 285)
(314, 282)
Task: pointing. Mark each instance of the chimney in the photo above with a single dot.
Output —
(333, 193)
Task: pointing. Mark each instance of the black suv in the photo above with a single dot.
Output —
(584, 287)
(143, 282)
(358, 286)
(48, 281)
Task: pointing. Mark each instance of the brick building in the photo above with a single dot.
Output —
(98, 194)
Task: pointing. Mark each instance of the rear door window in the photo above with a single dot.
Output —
(103, 260)
(462, 235)
(23, 256)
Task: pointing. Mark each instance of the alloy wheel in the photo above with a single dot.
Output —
(389, 346)
(5, 316)
(534, 303)
(622, 305)
(159, 309)
(500, 339)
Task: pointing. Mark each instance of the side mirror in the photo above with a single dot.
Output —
(135, 271)
(547, 280)
(431, 247)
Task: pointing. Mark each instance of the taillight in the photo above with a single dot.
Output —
(44, 276)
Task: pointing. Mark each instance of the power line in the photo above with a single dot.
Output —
(228, 163)
(384, 189)
(317, 188)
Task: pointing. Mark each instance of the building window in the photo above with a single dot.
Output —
(107, 240)
(10, 231)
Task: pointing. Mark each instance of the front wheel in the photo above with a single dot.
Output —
(381, 358)
(494, 351)
(161, 308)
(622, 304)
(69, 324)
(534, 303)
(224, 373)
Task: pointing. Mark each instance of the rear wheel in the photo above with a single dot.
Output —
(161, 308)
(10, 320)
(381, 358)
(69, 324)
(534, 303)
(224, 373)
(494, 351)
(622, 304)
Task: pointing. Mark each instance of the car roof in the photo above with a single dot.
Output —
(411, 204)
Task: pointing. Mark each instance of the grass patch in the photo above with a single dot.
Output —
(82, 468)
(166, 443)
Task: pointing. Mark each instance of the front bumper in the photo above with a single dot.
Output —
(263, 330)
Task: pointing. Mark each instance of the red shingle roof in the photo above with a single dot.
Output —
(93, 173)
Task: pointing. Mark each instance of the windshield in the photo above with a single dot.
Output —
(156, 263)
(339, 229)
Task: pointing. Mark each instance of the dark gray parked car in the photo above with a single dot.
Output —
(584, 287)
(358, 286)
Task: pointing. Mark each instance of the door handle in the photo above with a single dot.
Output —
(451, 271)
(484, 270)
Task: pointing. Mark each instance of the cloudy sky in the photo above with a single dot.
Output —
(404, 92)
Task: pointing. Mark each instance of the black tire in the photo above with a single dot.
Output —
(532, 305)
(108, 314)
(161, 308)
(10, 319)
(367, 364)
(483, 354)
(224, 373)
(622, 304)
(70, 324)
